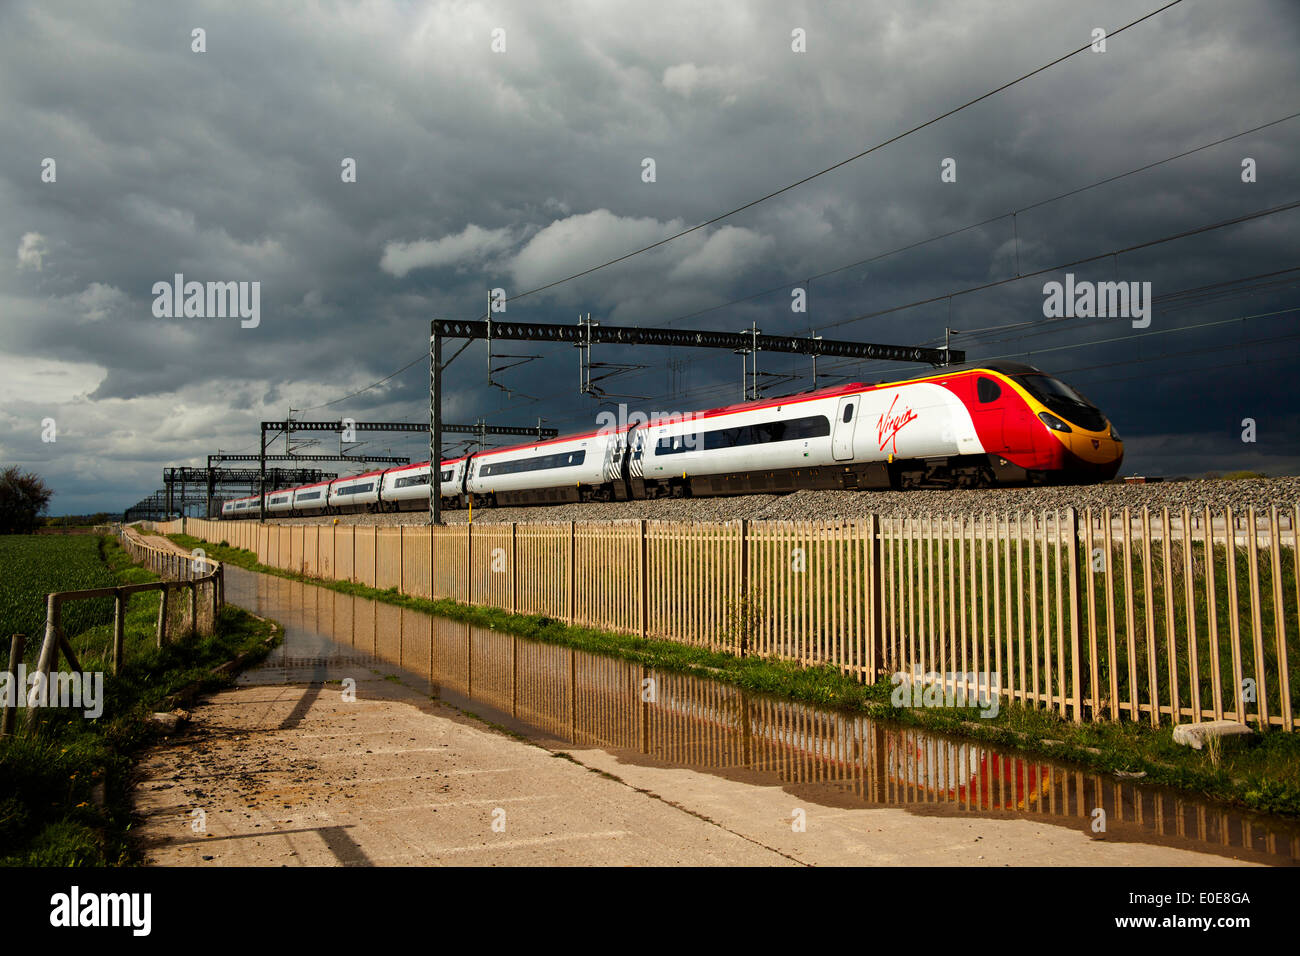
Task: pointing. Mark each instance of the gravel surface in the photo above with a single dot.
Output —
(816, 505)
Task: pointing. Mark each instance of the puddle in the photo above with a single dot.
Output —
(567, 699)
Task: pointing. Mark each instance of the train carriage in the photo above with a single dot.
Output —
(407, 488)
(311, 499)
(980, 425)
(356, 492)
(563, 469)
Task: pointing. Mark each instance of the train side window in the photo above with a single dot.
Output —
(988, 390)
(848, 412)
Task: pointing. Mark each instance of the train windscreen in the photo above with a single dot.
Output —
(1064, 401)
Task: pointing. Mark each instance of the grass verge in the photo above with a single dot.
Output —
(1263, 777)
(64, 783)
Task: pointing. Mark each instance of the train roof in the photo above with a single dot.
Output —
(1007, 368)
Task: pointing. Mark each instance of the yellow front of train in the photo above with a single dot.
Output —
(1076, 439)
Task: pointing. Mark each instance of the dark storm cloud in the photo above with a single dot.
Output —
(478, 170)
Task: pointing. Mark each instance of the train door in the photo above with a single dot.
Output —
(988, 415)
(631, 453)
(634, 458)
(613, 465)
(846, 420)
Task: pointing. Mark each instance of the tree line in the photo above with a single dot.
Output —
(24, 497)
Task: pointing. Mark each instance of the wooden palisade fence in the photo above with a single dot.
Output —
(1152, 616)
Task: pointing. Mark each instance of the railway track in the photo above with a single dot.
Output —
(1262, 494)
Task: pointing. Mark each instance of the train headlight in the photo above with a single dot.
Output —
(1114, 435)
(1054, 423)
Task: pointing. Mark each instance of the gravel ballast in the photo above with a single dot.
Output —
(1262, 493)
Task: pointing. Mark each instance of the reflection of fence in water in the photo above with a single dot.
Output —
(1145, 616)
(598, 701)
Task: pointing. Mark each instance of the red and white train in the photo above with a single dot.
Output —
(992, 424)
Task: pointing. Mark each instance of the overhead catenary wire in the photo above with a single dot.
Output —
(976, 225)
(1236, 220)
(1011, 279)
(1209, 227)
(721, 388)
(844, 162)
(1169, 302)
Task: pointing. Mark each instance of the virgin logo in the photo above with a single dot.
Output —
(890, 425)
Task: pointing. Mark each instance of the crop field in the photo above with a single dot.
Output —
(31, 566)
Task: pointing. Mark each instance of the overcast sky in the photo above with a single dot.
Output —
(479, 169)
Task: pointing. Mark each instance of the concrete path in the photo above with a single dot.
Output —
(291, 773)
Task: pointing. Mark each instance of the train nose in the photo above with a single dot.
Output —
(1092, 456)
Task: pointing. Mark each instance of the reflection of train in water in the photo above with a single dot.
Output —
(965, 773)
(589, 700)
(997, 423)
(938, 768)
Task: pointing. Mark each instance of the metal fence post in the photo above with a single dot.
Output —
(1076, 677)
(573, 533)
(746, 598)
(643, 596)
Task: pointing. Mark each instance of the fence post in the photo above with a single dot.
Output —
(16, 647)
(875, 648)
(1076, 678)
(119, 628)
(746, 598)
(514, 567)
(401, 557)
(572, 551)
(49, 654)
(469, 563)
(643, 589)
(162, 615)
(194, 608)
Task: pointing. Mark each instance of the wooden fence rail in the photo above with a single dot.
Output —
(1150, 616)
(184, 575)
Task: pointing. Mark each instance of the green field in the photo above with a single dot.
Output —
(32, 566)
(66, 784)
